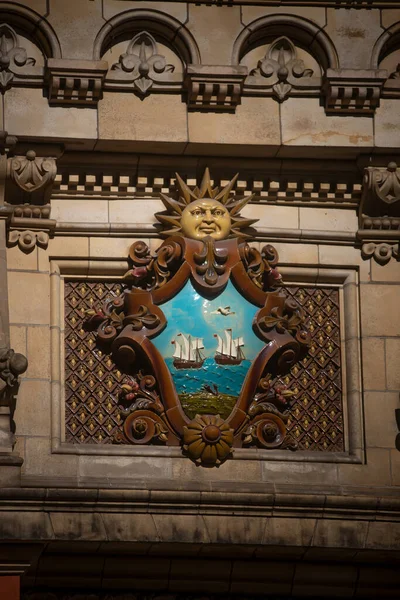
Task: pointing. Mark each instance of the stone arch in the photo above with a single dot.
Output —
(155, 22)
(33, 25)
(388, 42)
(300, 30)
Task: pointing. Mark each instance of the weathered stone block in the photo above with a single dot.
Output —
(255, 123)
(328, 219)
(393, 363)
(380, 420)
(32, 414)
(304, 123)
(29, 298)
(375, 472)
(27, 113)
(159, 117)
(373, 354)
(379, 310)
(80, 211)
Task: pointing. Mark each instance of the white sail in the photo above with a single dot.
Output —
(238, 342)
(228, 349)
(177, 350)
(220, 346)
(184, 348)
(197, 344)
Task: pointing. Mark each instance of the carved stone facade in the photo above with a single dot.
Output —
(182, 413)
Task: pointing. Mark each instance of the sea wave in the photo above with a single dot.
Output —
(227, 378)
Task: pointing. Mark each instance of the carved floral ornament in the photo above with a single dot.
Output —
(212, 393)
(142, 64)
(282, 70)
(12, 57)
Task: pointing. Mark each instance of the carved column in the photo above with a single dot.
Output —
(11, 364)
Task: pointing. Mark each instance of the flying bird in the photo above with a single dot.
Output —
(225, 311)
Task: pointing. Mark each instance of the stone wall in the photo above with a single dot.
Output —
(302, 101)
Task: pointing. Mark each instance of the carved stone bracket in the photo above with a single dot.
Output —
(379, 217)
(349, 91)
(29, 181)
(216, 88)
(75, 82)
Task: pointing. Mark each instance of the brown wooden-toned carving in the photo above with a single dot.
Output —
(206, 247)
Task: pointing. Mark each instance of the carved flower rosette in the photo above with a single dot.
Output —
(202, 334)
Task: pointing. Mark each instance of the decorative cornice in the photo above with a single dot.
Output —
(294, 188)
(75, 82)
(216, 88)
(353, 91)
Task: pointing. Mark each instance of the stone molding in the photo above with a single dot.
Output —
(216, 88)
(308, 537)
(351, 91)
(379, 215)
(75, 82)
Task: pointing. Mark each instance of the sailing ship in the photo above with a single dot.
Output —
(229, 351)
(187, 353)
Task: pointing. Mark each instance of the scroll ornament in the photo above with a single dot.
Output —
(206, 250)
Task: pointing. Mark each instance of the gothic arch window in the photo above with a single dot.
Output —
(386, 55)
(26, 42)
(285, 55)
(146, 50)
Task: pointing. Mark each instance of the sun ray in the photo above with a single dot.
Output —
(170, 219)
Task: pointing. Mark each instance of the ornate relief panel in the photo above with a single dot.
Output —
(200, 347)
(92, 380)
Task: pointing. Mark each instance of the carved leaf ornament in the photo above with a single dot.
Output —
(387, 183)
(280, 64)
(176, 323)
(12, 56)
(143, 62)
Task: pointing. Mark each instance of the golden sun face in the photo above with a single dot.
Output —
(206, 217)
(204, 211)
